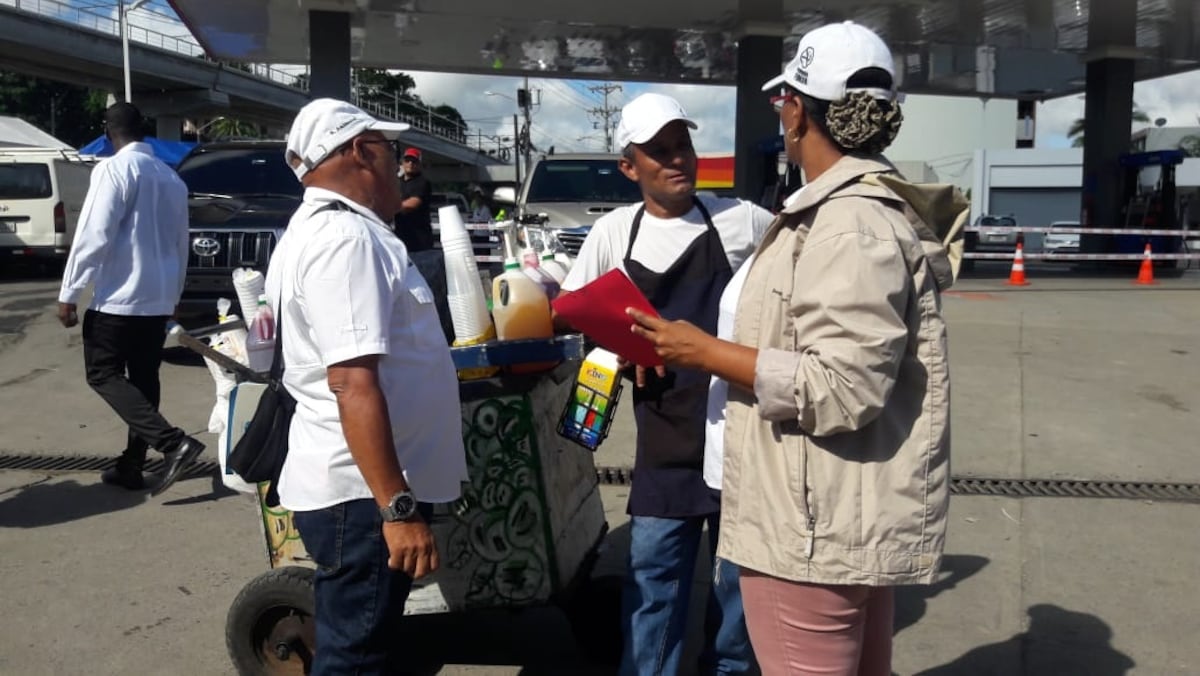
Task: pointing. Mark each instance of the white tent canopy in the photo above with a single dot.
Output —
(17, 133)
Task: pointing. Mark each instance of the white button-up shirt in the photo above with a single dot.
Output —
(132, 237)
(343, 287)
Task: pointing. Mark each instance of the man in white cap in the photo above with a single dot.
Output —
(368, 451)
(681, 250)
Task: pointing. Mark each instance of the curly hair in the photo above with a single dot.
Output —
(863, 124)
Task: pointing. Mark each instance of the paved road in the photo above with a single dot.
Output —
(1068, 378)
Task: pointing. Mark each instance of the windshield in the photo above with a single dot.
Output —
(25, 181)
(240, 171)
(998, 221)
(581, 181)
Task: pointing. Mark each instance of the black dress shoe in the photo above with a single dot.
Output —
(176, 461)
(130, 479)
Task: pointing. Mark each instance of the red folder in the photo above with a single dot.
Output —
(598, 310)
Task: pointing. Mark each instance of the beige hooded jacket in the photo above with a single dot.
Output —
(837, 465)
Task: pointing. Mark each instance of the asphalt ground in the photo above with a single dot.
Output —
(1075, 377)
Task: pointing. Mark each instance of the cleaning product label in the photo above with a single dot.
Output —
(588, 414)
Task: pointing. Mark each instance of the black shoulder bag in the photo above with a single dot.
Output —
(259, 454)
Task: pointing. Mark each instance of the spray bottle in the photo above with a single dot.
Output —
(549, 263)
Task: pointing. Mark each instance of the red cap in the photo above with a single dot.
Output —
(412, 152)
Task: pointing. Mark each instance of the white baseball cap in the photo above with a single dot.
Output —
(324, 125)
(828, 56)
(646, 115)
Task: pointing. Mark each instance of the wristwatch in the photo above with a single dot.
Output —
(401, 507)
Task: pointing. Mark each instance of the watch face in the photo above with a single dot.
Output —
(404, 504)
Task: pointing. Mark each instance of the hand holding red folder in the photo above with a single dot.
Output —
(598, 310)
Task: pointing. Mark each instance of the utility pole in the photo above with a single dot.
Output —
(517, 151)
(525, 102)
(607, 113)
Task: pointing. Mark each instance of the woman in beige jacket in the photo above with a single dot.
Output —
(838, 421)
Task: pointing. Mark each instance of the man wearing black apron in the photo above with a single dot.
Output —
(681, 260)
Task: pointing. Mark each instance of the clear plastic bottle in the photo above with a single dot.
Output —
(260, 341)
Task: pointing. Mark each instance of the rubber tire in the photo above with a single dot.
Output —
(594, 612)
(283, 588)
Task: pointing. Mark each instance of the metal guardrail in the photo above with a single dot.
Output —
(87, 17)
(1053, 256)
(1006, 229)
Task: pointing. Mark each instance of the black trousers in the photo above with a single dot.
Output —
(122, 356)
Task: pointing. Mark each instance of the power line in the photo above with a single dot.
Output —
(555, 88)
(606, 113)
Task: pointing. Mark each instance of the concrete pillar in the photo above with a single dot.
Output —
(1108, 112)
(169, 127)
(759, 59)
(329, 54)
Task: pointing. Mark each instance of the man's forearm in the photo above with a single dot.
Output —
(365, 422)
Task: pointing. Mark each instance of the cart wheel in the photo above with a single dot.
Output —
(594, 612)
(270, 629)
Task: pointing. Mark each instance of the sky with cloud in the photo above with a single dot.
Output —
(566, 119)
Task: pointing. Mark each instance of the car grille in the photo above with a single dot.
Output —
(233, 249)
(572, 240)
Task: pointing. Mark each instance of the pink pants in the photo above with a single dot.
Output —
(798, 629)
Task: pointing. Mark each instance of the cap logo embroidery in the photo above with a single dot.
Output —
(806, 57)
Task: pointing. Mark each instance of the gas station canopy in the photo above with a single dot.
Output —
(1028, 49)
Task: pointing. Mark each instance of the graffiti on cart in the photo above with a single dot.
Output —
(498, 541)
(283, 540)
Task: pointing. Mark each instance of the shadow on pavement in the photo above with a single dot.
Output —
(912, 601)
(582, 637)
(219, 491)
(1059, 642)
(49, 502)
(30, 271)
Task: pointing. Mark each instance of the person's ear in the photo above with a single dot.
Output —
(628, 168)
(361, 153)
(800, 121)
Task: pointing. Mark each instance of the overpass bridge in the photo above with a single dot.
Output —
(173, 79)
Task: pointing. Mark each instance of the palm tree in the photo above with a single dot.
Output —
(1075, 133)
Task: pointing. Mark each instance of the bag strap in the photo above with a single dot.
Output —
(277, 366)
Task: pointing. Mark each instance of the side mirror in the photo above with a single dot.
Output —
(505, 195)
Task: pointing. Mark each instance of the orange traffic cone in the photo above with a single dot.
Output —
(1017, 276)
(1146, 272)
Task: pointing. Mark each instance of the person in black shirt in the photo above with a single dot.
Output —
(413, 223)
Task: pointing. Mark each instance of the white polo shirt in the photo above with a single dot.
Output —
(349, 290)
(660, 241)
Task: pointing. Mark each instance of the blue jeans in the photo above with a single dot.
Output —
(360, 601)
(662, 560)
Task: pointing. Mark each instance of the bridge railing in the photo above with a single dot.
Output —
(91, 17)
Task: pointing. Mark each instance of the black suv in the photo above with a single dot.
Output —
(241, 195)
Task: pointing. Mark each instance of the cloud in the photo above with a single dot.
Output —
(563, 119)
(1172, 98)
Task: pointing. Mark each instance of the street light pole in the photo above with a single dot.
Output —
(123, 17)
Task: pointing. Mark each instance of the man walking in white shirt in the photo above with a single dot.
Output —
(377, 433)
(131, 243)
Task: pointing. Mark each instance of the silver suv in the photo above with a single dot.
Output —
(569, 192)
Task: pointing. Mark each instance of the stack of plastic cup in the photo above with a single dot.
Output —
(464, 293)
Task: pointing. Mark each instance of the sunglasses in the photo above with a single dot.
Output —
(394, 144)
(778, 101)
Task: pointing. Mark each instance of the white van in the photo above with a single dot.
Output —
(41, 195)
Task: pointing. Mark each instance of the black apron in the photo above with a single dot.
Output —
(671, 412)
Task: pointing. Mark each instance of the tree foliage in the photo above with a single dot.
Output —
(68, 112)
(1079, 126)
